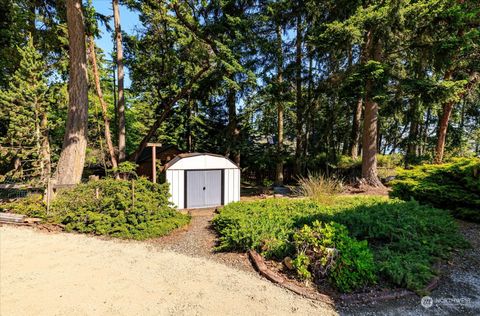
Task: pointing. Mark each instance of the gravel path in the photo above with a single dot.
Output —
(72, 274)
(198, 240)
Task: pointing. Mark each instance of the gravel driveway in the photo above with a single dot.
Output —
(71, 274)
(458, 292)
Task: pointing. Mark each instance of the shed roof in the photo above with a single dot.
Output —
(228, 165)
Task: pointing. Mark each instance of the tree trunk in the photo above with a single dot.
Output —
(120, 74)
(72, 158)
(442, 131)
(188, 137)
(45, 148)
(355, 137)
(425, 132)
(167, 107)
(98, 88)
(299, 101)
(413, 134)
(41, 141)
(369, 143)
(279, 166)
(233, 150)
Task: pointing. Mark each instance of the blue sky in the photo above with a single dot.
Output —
(129, 21)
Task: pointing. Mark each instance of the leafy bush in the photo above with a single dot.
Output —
(406, 238)
(454, 186)
(326, 250)
(136, 209)
(347, 162)
(319, 187)
(265, 225)
(31, 205)
(389, 161)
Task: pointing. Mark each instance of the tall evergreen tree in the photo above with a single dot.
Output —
(24, 105)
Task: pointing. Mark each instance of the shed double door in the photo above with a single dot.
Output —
(203, 188)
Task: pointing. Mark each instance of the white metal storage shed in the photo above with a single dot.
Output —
(200, 180)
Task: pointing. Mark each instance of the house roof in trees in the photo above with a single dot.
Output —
(163, 153)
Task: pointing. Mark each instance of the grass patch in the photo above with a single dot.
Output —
(406, 238)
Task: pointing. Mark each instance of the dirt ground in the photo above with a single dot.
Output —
(45, 274)
(70, 274)
(458, 292)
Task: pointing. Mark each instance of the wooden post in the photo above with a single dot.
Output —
(154, 164)
(49, 192)
(133, 195)
(154, 160)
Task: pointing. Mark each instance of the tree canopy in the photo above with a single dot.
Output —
(283, 88)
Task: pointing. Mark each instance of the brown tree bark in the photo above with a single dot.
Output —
(120, 77)
(447, 111)
(189, 139)
(279, 166)
(369, 143)
(41, 141)
(413, 133)
(442, 131)
(299, 99)
(355, 137)
(72, 158)
(98, 88)
(45, 153)
(443, 125)
(234, 133)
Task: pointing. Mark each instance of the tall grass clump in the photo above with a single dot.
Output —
(319, 187)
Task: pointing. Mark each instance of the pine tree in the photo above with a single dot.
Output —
(24, 105)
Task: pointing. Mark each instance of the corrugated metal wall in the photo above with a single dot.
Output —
(176, 179)
(232, 185)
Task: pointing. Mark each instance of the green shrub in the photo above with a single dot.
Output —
(406, 238)
(32, 206)
(265, 225)
(389, 161)
(137, 209)
(454, 186)
(326, 250)
(347, 162)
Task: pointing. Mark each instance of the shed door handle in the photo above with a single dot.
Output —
(203, 188)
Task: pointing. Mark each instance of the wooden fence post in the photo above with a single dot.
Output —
(49, 193)
(133, 194)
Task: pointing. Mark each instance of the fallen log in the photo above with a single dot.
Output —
(11, 218)
(261, 267)
(360, 298)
